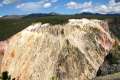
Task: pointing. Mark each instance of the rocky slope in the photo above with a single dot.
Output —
(73, 51)
(115, 76)
(110, 69)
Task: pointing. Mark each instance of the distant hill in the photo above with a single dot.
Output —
(11, 24)
(33, 15)
(37, 15)
(97, 14)
(56, 14)
(12, 17)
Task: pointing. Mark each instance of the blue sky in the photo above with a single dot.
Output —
(20, 7)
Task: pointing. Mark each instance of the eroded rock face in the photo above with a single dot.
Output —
(73, 51)
(3, 47)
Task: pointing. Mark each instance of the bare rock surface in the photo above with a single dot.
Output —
(73, 51)
(3, 47)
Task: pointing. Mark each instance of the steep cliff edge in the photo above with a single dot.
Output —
(73, 51)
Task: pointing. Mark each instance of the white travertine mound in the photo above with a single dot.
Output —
(73, 51)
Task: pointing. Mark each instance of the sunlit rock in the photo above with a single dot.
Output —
(73, 51)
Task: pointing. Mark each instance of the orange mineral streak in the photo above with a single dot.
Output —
(13, 54)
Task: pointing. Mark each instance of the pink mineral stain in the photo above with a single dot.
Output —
(3, 47)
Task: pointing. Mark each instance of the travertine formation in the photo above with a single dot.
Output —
(3, 47)
(73, 51)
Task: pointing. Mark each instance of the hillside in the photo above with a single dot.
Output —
(9, 27)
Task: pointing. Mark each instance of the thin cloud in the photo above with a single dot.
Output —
(113, 6)
(54, 1)
(47, 5)
(1, 5)
(29, 6)
(75, 5)
(8, 1)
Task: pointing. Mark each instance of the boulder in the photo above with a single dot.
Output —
(73, 51)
